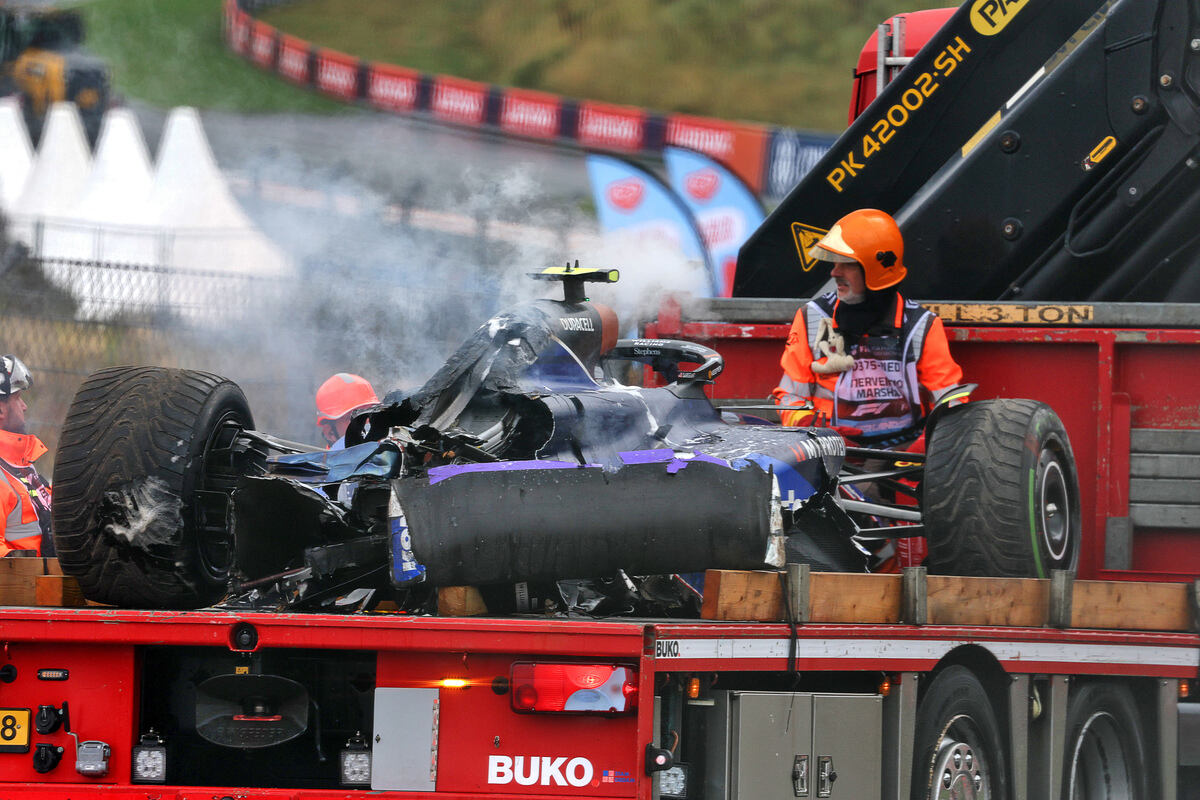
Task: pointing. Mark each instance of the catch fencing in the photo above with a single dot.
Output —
(66, 318)
(278, 339)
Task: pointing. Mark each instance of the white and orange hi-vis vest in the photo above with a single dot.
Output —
(24, 494)
(881, 392)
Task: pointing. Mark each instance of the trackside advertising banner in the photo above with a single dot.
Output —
(768, 159)
(724, 208)
(633, 204)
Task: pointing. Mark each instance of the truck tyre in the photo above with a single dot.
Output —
(958, 750)
(141, 484)
(1000, 496)
(1106, 755)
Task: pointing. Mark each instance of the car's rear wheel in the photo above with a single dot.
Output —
(144, 468)
(1000, 492)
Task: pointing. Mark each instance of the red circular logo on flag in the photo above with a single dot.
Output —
(702, 184)
(626, 194)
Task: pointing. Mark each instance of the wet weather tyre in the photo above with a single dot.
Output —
(958, 751)
(1000, 496)
(141, 480)
(1105, 756)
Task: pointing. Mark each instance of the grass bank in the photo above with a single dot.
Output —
(770, 61)
(785, 63)
(170, 53)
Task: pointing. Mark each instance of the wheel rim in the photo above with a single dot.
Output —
(1054, 509)
(1099, 762)
(960, 770)
(214, 548)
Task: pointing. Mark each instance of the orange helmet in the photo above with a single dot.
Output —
(342, 394)
(868, 237)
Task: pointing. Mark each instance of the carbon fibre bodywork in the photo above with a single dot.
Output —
(524, 459)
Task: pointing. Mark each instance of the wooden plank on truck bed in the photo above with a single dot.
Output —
(1017, 602)
(18, 579)
(1130, 605)
(744, 596)
(460, 601)
(840, 598)
(58, 590)
(834, 597)
(853, 597)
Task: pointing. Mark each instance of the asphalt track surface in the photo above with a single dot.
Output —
(372, 159)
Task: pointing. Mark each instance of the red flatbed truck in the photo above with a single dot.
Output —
(215, 704)
(795, 684)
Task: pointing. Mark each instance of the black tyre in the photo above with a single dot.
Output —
(958, 750)
(142, 478)
(1106, 755)
(1000, 496)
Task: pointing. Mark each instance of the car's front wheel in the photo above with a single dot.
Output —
(142, 476)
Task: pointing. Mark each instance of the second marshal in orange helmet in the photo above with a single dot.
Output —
(339, 397)
(864, 358)
(870, 238)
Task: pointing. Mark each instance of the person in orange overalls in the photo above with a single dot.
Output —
(863, 358)
(24, 494)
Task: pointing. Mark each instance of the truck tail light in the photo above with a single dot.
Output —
(573, 688)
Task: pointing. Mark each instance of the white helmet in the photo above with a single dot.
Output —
(14, 376)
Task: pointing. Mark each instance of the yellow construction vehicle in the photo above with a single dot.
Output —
(41, 63)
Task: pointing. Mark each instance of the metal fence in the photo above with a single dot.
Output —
(277, 338)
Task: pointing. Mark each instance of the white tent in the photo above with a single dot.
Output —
(58, 175)
(108, 224)
(16, 154)
(189, 198)
(189, 191)
(172, 234)
(109, 219)
(213, 249)
(118, 187)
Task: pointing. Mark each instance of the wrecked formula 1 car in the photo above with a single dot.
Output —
(524, 461)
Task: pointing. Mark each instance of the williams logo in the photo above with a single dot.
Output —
(989, 17)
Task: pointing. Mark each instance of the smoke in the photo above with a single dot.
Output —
(390, 279)
(401, 241)
(651, 269)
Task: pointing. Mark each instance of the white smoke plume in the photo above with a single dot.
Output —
(391, 279)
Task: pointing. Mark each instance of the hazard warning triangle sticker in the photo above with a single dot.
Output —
(806, 236)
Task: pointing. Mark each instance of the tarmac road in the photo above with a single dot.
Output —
(392, 159)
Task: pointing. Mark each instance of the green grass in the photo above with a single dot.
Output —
(170, 52)
(784, 62)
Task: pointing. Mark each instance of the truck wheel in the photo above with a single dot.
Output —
(958, 750)
(1105, 756)
(1000, 495)
(142, 478)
